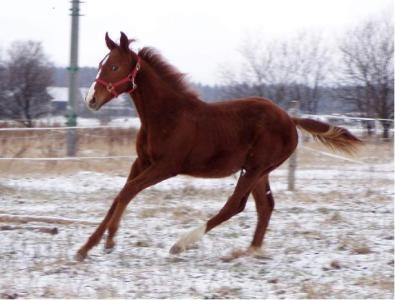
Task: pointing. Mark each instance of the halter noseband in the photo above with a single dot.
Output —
(111, 87)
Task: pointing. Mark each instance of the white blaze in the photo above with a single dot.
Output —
(91, 90)
(90, 94)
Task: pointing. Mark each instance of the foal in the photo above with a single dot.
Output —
(180, 134)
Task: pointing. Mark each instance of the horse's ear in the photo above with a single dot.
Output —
(124, 42)
(109, 42)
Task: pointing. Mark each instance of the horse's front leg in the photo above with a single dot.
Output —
(148, 177)
(94, 239)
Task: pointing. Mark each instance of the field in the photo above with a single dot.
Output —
(333, 237)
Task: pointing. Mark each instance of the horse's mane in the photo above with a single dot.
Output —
(167, 72)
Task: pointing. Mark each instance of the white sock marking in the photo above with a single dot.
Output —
(191, 237)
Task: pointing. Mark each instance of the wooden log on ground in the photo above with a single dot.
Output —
(6, 218)
(50, 230)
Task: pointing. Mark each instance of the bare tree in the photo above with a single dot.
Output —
(3, 79)
(368, 73)
(25, 76)
(282, 70)
(312, 61)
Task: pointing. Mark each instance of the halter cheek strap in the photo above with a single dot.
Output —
(131, 77)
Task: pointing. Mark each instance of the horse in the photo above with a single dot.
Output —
(182, 134)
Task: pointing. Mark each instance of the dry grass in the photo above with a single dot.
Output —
(354, 246)
(121, 142)
(315, 290)
(90, 142)
(378, 282)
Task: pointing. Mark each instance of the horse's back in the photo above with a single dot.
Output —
(256, 113)
(227, 133)
(248, 106)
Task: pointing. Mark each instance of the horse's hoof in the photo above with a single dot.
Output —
(176, 249)
(255, 252)
(108, 250)
(234, 255)
(80, 256)
(109, 246)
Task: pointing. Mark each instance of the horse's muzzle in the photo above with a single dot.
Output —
(93, 104)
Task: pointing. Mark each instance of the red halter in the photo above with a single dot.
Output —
(111, 87)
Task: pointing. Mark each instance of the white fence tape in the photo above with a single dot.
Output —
(63, 128)
(344, 118)
(333, 155)
(67, 158)
(136, 124)
(129, 126)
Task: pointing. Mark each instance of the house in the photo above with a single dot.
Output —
(120, 106)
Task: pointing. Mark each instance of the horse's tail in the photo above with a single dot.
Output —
(334, 137)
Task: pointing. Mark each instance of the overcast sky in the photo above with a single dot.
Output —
(195, 35)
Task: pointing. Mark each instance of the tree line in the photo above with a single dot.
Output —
(356, 74)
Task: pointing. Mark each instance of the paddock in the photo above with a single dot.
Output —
(330, 238)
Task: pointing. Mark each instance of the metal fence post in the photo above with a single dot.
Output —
(73, 79)
(292, 162)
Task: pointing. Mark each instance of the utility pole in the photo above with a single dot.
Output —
(73, 78)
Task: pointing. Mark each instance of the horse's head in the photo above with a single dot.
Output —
(116, 74)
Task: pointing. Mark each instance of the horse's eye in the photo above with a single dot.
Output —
(114, 68)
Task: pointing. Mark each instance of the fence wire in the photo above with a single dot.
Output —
(11, 135)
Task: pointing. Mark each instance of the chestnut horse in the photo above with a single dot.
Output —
(181, 134)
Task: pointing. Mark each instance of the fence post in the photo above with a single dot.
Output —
(73, 79)
(293, 112)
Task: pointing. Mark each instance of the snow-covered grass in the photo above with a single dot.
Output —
(331, 238)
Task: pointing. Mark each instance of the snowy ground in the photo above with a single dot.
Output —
(331, 238)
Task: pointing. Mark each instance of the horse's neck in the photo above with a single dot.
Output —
(154, 100)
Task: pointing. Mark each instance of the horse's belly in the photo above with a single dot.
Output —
(218, 166)
(210, 173)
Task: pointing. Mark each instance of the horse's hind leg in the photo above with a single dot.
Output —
(235, 204)
(264, 203)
